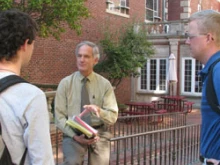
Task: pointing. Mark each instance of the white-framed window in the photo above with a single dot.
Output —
(118, 7)
(199, 8)
(111, 6)
(152, 11)
(123, 3)
(153, 78)
(191, 81)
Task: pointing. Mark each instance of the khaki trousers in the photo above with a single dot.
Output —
(98, 153)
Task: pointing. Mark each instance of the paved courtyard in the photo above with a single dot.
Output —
(194, 117)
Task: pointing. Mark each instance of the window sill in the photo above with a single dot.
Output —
(109, 2)
(192, 94)
(117, 13)
(122, 7)
(151, 92)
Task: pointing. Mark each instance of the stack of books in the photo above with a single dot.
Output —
(82, 127)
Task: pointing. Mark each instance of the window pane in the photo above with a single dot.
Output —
(123, 3)
(153, 71)
(187, 75)
(149, 14)
(144, 77)
(198, 81)
(162, 84)
(149, 4)
(127, 3)
(155, 5)
(149, 10)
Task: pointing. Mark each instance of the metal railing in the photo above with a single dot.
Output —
(134, 126)
(179, 145)
(127, 125)
(166, 28)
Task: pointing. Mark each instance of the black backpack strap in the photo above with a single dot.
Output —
(9, 81)
(5, 83)
(210, 90)
(23, 157)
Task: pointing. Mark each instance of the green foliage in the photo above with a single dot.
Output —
(124, 51)
(51, 15)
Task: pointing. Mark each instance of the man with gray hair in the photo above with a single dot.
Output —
(99, 108)
(203, 39)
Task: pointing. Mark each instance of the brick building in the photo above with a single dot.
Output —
(53, 60)
(181, 9)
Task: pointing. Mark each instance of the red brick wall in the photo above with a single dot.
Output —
(174, 10)
(52, 60)
(206, 4)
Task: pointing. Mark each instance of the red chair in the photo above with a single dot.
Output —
(160, 109)
(188, 106)
(160, 116)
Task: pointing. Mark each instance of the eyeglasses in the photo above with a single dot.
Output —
(191, 36)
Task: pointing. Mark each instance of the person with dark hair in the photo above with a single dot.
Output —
(203, 38)
(97, 107)
(24, 116)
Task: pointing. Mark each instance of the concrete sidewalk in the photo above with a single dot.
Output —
(194, 117)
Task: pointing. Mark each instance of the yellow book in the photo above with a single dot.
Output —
(80, 128)
(85, 125)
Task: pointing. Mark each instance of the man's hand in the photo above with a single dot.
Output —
(82, 140)
(214, 161)
(91, 108)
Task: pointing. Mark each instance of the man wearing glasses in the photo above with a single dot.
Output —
(203, 38)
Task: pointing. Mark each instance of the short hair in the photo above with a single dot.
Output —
(15, 28)
(208, 21)
(95, 49)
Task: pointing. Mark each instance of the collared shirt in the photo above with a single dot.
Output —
(210, 131)
(68, 100)
(25, 123)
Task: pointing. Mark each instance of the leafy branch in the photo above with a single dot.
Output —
(51, 15)
(124, 51)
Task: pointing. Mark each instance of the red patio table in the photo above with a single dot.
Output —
(176, 100)
(140, 108)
